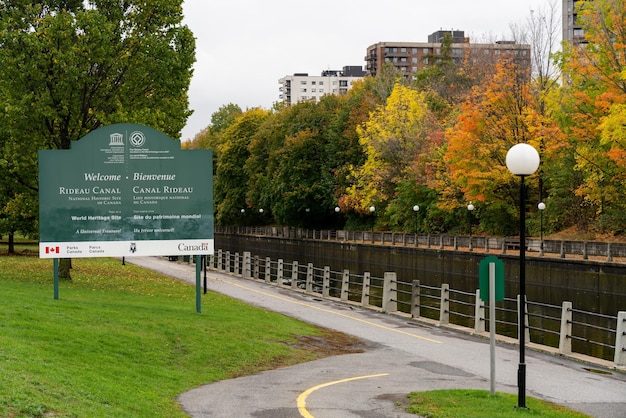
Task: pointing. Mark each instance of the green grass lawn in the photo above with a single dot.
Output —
(125, 342)
(464, 403)
(122, 341)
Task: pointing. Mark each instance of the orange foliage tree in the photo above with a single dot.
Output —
(497, 116)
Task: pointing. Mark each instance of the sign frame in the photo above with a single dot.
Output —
(125, 190)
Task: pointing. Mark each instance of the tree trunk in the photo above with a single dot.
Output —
(11, 243)
(65, 265)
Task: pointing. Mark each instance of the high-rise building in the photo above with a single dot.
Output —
(411, 57)
(302, 87)
(572, 29)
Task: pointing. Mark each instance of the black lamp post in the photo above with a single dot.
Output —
(541, 206)
(522, 160)
(373, 212)
(416, 209)
(470, 211)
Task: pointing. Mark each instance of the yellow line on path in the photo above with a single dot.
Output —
(339, 314)
(323, 310)
(301, 402)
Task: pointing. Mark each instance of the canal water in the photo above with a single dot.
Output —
(591, 286)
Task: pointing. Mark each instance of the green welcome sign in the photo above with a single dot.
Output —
(125, 190)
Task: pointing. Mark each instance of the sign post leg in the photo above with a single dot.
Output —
(204, 268)
(198, 285)
(55, 266)
(492, 324)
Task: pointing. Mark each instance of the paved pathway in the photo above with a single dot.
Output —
(402, 356)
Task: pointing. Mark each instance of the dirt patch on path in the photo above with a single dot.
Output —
(330, 343)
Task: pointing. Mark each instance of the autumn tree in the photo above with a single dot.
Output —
(69, 67)
(396, 143)
(541, 31)
(613, 137)
(343, 149)
(592, 97)
(499, 115)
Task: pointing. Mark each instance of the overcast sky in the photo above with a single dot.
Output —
(244, 46)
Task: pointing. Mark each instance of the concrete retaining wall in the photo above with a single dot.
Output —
(591, 285)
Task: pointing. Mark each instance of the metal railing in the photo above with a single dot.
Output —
(562, 327)
(606, 251)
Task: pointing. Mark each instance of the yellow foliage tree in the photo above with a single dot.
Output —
(396, 140)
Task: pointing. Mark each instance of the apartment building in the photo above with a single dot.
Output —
(302, 87)
(572, 29)
(411, 57)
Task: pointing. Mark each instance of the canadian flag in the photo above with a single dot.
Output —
(52, 250)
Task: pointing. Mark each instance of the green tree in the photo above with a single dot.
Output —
(272, 171)
(69, 67)
(231, 179)
(343, 149)
(303, 192)
(209, 137)
(18, 206)
(262, 164)
(18, 210)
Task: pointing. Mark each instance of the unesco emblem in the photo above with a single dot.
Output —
(117, 139)
(137, 139)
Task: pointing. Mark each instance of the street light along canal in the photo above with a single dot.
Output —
(522, 160)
